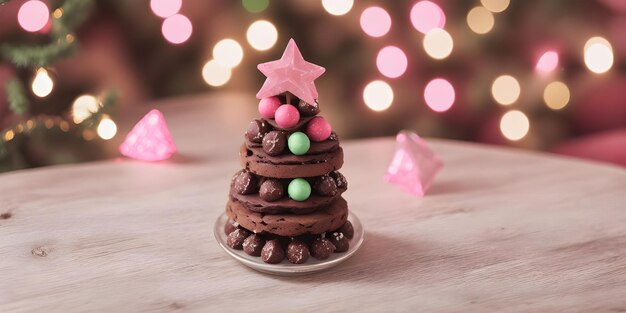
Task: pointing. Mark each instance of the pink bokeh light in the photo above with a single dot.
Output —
(547, 62)
(426, 16)
(391, 61)
(375, 21)
(165, 8)
(177, 29)
(46, 28)
(617, 5)
(149, 140)
(439, 95)
(33, 15)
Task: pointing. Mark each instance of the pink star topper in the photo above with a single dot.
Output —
(149, 140)
(414, 165)
(291, 73)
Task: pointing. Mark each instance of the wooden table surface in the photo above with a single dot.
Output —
(500, 230)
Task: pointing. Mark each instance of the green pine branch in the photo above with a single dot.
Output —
(109, 98)
(61, 45)
(37, 56)
(16, 95)
(74, 14)
(107, 102)
(3, 149)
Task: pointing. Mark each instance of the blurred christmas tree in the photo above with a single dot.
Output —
(35, 132)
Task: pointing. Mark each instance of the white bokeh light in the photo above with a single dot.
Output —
(556, 95)
(337, 7)
(378, 95)
(83, 107)
(107, 128)
(42, 83)
(514, 125)
(480, 20)
(505, 89)
(215, 74)
(598, 55)
(228, 53)
(495, 6)
(438, 43)
(262, 35)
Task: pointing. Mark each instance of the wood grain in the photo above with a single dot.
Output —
(501, 230)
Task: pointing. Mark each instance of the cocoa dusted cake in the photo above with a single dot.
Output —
(286, 202)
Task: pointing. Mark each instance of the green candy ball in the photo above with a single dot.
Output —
(299, 189)
(298, 143)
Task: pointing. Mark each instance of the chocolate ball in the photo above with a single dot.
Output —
(286, 116)
(322, 248)
(274, 142)
(272, 252)
(237, 237)
(325, 186)
(229, 227)
(341, 242)
(308, 109)
(341, 181)
(253, 245)
(245, 183)
(256, 130)
(271, 190)
(347, 230)
(297, 252)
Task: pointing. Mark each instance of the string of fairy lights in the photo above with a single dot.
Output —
(429, 19)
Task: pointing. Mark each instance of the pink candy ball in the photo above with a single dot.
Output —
(318, 129)
(287, 116)
(268, 106)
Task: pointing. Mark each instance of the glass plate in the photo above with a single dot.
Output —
(285, 268)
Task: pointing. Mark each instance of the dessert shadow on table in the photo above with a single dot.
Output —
(188, 159)
(448, 187)
(371, 263)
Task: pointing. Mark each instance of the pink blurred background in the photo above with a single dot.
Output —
(435, 65)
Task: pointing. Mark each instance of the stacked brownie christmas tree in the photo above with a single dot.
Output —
(286, 202)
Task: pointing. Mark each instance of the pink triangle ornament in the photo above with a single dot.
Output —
(149, 140)
(414, 165)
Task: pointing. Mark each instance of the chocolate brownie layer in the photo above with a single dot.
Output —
(256, 203)
(285, 205)
(324, 220)
(316, 147)
(289, 165)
